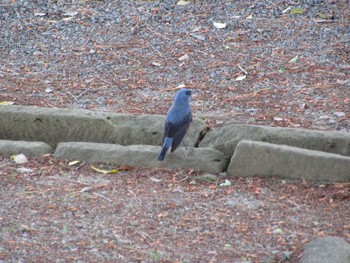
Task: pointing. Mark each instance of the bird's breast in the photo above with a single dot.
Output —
(178, 113)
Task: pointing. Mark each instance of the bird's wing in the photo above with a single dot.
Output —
(179, 130)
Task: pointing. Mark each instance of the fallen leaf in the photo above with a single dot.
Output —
(156, 180)
(182, 2)
(277, 119)
(181, 86)
(229, 191)
(7, 103)
(241, 77)
(70, 13)
(294, 60)
(184, 57)
(226, 183)
(199, 37)
(67, 18)
(192, 188)
(255, 189)
(24, 170)
(230, 40)
(297, 11)
(286, 10)
(156, 64)
(39, 14)
(282, 69)
(342, 82)
(219, 25)
(73, 163)
(113, 171)
(19, 159)
(324, 16)
(125, 168)
(196, 29)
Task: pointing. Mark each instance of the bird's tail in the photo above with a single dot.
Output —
(166, 145)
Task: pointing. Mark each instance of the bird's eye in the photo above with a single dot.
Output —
(188, 93)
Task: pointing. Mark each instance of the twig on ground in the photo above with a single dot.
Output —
(102, 196)
(145, 236)
(135, 197)
(88, 188)
(74, 97)
(160, 53)
(244, 71)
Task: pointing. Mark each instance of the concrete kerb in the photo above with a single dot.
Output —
(29, 149)
(252, 158)
(54, 126)
(200, 159)
(133, 139)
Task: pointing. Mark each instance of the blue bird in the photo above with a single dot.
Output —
(177, 122)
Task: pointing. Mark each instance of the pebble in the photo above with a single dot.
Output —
(277, 231)
(24, 170)
(286, 255)
(324, 117)
(277, 119)
(339, 114)
(48, 90)
(199, 37)
(251, 111)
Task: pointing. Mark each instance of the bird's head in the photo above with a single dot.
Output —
(184, 95)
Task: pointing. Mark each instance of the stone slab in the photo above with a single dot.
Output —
(326, 250)
(200, 159)
(29, 149)
(252, 158)
(225, 139)
(52, 126)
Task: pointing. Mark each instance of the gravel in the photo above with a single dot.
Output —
(123, 56)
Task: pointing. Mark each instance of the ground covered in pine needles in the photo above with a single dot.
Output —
(277, 63)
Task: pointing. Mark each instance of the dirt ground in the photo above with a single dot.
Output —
(277, 63)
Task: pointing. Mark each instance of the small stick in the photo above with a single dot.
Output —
(160, 53)
(102, 196)
(244, 71)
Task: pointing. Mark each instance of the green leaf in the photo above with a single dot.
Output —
(324, 16)
(294, 60)
(282, 69)
(226, 183)
(297, 11)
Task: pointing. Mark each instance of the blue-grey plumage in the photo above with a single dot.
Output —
(177, 122)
